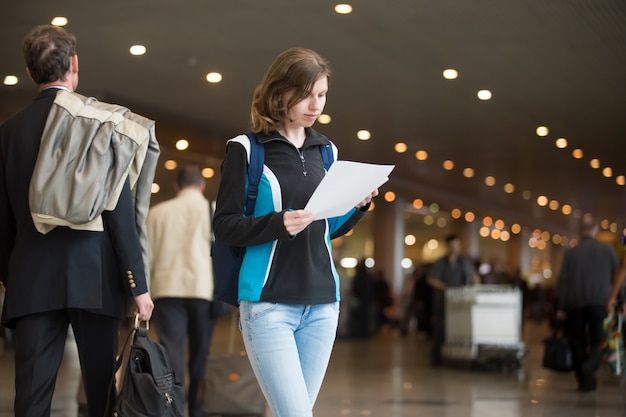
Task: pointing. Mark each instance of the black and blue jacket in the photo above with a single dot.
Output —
(277, 267)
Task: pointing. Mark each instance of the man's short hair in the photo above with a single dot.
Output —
(189, 175)
(452, 236)
(588, 225)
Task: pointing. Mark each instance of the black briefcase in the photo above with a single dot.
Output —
(557, 353)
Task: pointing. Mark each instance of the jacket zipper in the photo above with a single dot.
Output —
(303, 162)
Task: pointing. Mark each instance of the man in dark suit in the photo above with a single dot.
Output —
(81, 278)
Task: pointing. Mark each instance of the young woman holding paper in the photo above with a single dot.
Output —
(288, 285)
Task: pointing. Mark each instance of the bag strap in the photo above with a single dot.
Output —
(327, 155)
(113, 393)
(136, 331)
(255, 169)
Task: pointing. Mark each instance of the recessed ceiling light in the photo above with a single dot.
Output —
(450, 74)
(214, 77)
(484, 94)
(10, 80)
(182, 144)
(542, 131)
(561, 143)
(363, 134)
(137, 50)
(59, 21)
(208, 172)
(421, 155)
(400, 147)
(324, 119)
(343, 8)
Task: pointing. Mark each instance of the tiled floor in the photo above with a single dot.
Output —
(389, 376)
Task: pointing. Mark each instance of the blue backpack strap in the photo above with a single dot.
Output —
(255, 169)
(327, 155)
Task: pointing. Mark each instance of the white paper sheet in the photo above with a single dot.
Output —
(345, 185)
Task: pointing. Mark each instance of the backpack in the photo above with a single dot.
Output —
(227, 259)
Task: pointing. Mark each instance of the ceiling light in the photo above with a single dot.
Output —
(455, 213)
(170, 165)
(450, 74)
(468, 172)
(155, 188)
(542, 200)
(594, 163)
(400, 147)
(390, 196)
(10, 80)
(469, 217)
(410, 240)
(509, 188)
(561, 143)
(214, 77)
(137, 50)
(59, 21)
(348, 262)
(363, 134)
(554, 205)
(182, 144)
(448, 165)
(484, 94)
(607, 172)
(421, 155)
(577, 153)
(208, 172)
(324, 119)
(490, 181)
(343, 8)
(566, 209)
(418, 203)
(542, 131)
(620, 180)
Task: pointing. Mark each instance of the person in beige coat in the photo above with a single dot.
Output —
(182, 279)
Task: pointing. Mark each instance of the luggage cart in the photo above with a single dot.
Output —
(484, 326)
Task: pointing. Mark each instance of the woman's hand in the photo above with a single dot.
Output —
(297, 220)
(367, 199)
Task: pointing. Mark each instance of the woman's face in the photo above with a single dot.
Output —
(305, 112)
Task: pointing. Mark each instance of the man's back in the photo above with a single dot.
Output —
(178, 232)
(586, 275)
(47, 272)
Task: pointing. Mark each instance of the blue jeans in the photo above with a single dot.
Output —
(289, 348)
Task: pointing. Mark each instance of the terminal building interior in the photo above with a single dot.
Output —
(504, 121)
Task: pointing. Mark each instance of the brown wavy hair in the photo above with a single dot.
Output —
(295, 69)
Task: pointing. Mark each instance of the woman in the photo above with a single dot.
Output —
(288, 285)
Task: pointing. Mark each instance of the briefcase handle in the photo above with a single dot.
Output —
(138, 322)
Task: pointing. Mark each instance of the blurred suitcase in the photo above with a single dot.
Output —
(230, 386)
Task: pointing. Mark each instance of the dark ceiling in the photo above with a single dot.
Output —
(557, 63)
